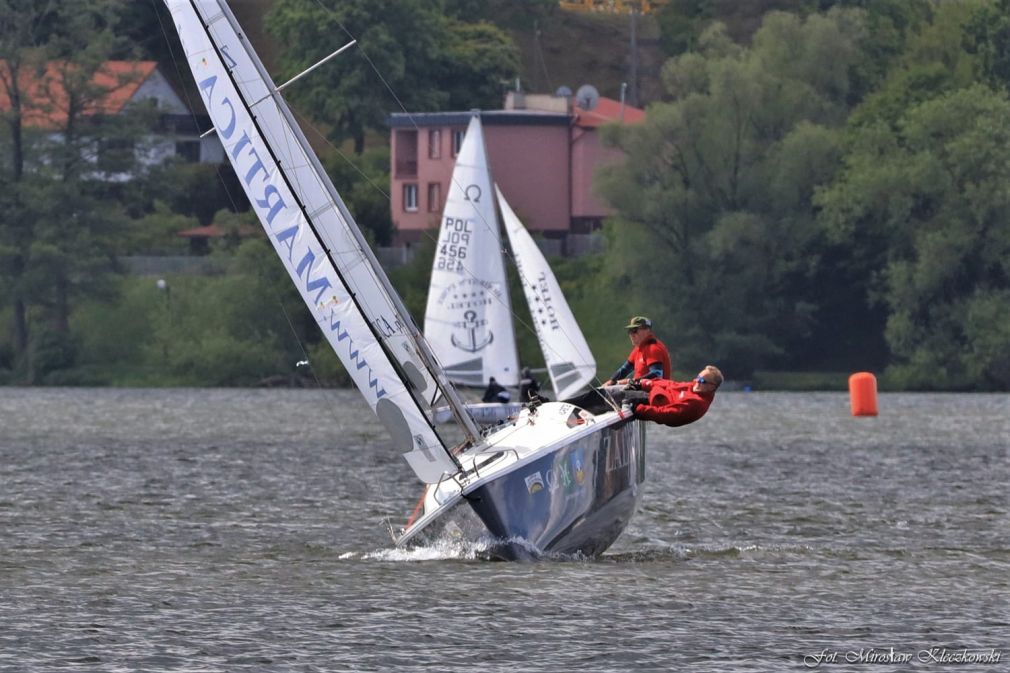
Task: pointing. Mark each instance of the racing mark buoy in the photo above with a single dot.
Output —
(863, 394)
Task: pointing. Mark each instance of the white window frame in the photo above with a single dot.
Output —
(410, 197)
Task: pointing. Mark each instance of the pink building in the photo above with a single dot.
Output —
(542, 159)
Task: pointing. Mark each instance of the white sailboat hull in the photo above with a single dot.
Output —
(557, 480)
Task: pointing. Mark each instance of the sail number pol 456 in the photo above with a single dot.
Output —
(452, 249)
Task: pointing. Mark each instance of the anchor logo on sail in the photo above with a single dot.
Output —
(471, 342)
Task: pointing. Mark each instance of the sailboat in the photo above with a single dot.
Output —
(468, 319)
(555, 479)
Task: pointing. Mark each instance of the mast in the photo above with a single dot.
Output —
(321, 247)
(421, 346)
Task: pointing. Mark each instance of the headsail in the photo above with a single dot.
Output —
(468, 320)
(315, 236)
(570, 363)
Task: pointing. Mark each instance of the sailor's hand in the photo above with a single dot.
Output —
(633, 384)
(608, 382)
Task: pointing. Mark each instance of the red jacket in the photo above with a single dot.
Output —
(648, 352)
(673, 403)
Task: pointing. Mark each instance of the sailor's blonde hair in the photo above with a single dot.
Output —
(712, 373)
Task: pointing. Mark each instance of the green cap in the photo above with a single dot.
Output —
(639, 321)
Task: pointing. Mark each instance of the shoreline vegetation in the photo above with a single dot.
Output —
(816, 189)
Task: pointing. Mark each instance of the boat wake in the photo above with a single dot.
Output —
(456, 548)
(682, 552)
(440, 549)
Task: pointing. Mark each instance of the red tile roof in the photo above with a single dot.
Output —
(44, 99)
(606, 111)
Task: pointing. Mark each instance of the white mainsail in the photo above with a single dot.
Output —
(570, 363)
(316, 238)
(468, 320)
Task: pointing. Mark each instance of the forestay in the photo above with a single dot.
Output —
(468, 320)
(314, 235)
(570, 363)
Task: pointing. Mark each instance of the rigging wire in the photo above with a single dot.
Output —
(539, 48)
(231, 198)
(361, 49)
(427, 234)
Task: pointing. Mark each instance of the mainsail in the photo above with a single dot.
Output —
(570, 363)
(316, 238)
(468, 319)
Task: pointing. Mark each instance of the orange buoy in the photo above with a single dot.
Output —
(863, 394)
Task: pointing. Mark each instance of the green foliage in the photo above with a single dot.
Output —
(410, 43)
(482, 61)
(987, 35)
(830, 196)
(411, 280)
(156, 232)
(114, 333)
(602, 306)
(51, 352)
(681, 23)
(242, 328)
(718, 183)
(933, 63)
(932, 202)
(195, 190)
(362, 181)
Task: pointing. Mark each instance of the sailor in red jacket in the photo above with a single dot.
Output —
(677, 403)
(649, 358)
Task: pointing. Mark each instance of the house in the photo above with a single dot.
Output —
(200, 237)
(543, 152)
(115, 85)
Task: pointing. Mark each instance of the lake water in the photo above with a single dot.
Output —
(244, 530)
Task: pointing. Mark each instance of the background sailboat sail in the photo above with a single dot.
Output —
(468, 319)
(315, 236)
(570, 363)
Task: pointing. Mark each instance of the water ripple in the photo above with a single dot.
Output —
(238, 530)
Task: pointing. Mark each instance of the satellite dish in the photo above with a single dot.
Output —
(587, 97)
(563, 92)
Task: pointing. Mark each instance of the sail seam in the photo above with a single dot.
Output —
(394, 364)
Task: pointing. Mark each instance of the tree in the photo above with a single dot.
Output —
(362, 182)
(987, 35)
(933, 62)
(59, 246)
(930, 198)
(23, 33)
(718, 184)
(681, 23)
(409, 55)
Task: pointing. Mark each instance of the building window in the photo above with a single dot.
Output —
(406, 154)
(410, 197)
(435, 144)
(457, 140)
(188, 150)
(434, 197)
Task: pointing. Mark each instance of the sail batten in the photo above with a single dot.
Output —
(305, 221)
